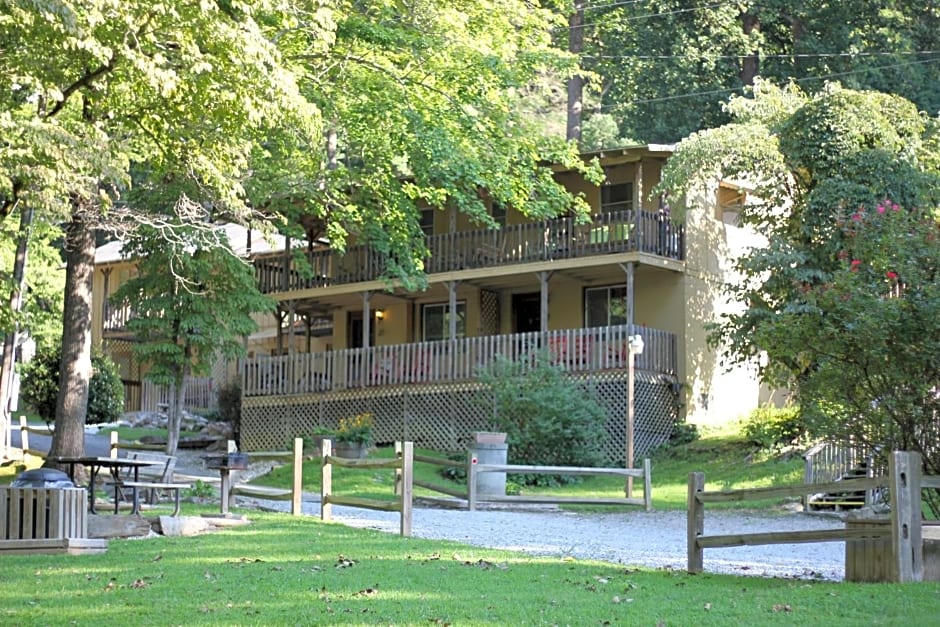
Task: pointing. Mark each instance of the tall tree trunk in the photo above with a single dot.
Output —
(9, 341)
(75, 369)
(576, 82)
(175, 415)
(750, 66)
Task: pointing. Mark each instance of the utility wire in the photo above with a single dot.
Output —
(734, 89)
(651, 57)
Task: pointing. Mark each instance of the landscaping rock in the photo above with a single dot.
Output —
(119, 526)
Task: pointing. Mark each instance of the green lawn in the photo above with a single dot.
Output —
(282, 570)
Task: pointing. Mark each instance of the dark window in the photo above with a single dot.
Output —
(617, 197)
(605, 306)
(435, 321)
(427, 220)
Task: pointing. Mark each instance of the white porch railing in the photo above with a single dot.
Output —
(576, 350)
(200, 394)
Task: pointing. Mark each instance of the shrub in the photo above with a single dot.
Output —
(683, 433)
(40, 387)
(228, 399)
(771, 427)
(548, 418)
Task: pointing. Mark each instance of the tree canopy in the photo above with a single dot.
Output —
(842, 304)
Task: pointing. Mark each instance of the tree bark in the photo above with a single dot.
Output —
(9, 340)
(750, 66)
(576, 82)
(75, 369)
(175, 415)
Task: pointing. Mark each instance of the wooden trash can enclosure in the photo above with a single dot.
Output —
(869, 560)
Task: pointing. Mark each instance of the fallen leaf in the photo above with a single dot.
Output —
(157, 558)
(780, 607)
(139, 583)
(708, 606)
(111, 586)
(616, 599)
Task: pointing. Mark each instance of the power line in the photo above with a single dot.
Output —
(649, 15)
(652, 57)
(734, 89)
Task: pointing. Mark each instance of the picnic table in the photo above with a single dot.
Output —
(114, 465)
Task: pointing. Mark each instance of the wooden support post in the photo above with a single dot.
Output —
(326, 480)
(398, 471)
(114, 444)
(471, 482)
(406, 470)
(24, 435)
(296, 497)
(696, 522)
(647, 484)
(904, 470)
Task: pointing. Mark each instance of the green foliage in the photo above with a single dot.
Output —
(355, 430)
(228, 398)
(601, 131)
(200, 490)
(549, 420)
(772, 427)
(40, 387)
(683, 433)
(843, 302)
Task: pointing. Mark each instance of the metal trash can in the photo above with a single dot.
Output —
(42, 478)
(490, 452)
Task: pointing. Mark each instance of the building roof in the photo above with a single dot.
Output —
(238, 237)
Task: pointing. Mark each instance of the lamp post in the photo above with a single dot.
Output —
(635, 347)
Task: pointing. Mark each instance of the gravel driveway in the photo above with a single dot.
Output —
(633, 538)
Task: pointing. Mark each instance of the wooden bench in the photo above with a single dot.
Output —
(154, 479)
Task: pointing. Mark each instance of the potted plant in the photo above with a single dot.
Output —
(315, 441)
(353, 437)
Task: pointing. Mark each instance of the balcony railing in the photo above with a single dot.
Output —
(547, 240)
(116, 317)
(576, 350)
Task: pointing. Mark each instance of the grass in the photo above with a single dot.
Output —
(282, 570)
(729, 462)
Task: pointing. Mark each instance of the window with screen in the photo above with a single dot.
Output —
(435, 321)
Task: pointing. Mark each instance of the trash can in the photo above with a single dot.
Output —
(42, 478)
(488, 450)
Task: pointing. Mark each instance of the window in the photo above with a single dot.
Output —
(729, 205)
(499, 213)
(617, 197)
(426, 220)
(435, 321)
(605, 306)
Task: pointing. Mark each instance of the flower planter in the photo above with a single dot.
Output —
(350, 450)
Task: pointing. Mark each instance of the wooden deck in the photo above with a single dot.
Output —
(546, 240)
(576, 350)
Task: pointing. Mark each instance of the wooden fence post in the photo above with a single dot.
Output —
(297, 495)
(696, 522)
(406, 472)
(904, 469)
(471, 482)
(647, 484)
(399, 452)
(114, 444)
(326, 480)
(24, 435)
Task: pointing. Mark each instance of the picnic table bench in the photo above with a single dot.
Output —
(156, 478)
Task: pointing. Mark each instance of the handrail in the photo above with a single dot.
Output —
(575, 350)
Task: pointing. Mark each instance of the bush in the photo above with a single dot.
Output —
(548, 418)
(229, 401)
(40, 387)
(683, 433)
(772, 427)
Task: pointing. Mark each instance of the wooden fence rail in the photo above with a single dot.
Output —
(642, 473)
(402, 464)
(435, 487)
(904, 483)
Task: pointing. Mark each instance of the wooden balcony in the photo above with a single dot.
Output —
(115, 318)
(548, 240)
(575, 350)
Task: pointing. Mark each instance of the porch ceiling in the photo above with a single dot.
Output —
(516, 278)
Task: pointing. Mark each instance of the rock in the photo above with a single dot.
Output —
(183, 525)
(117, 526)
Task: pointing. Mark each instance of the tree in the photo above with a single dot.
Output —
(842, 303)
(193, 299)
(665, 66)
(91, 87)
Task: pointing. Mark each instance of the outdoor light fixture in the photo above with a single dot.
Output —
(380, 314)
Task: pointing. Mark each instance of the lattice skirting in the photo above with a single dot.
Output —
(443, 417)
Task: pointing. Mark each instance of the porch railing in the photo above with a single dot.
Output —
(576, 350)
(547, 240)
